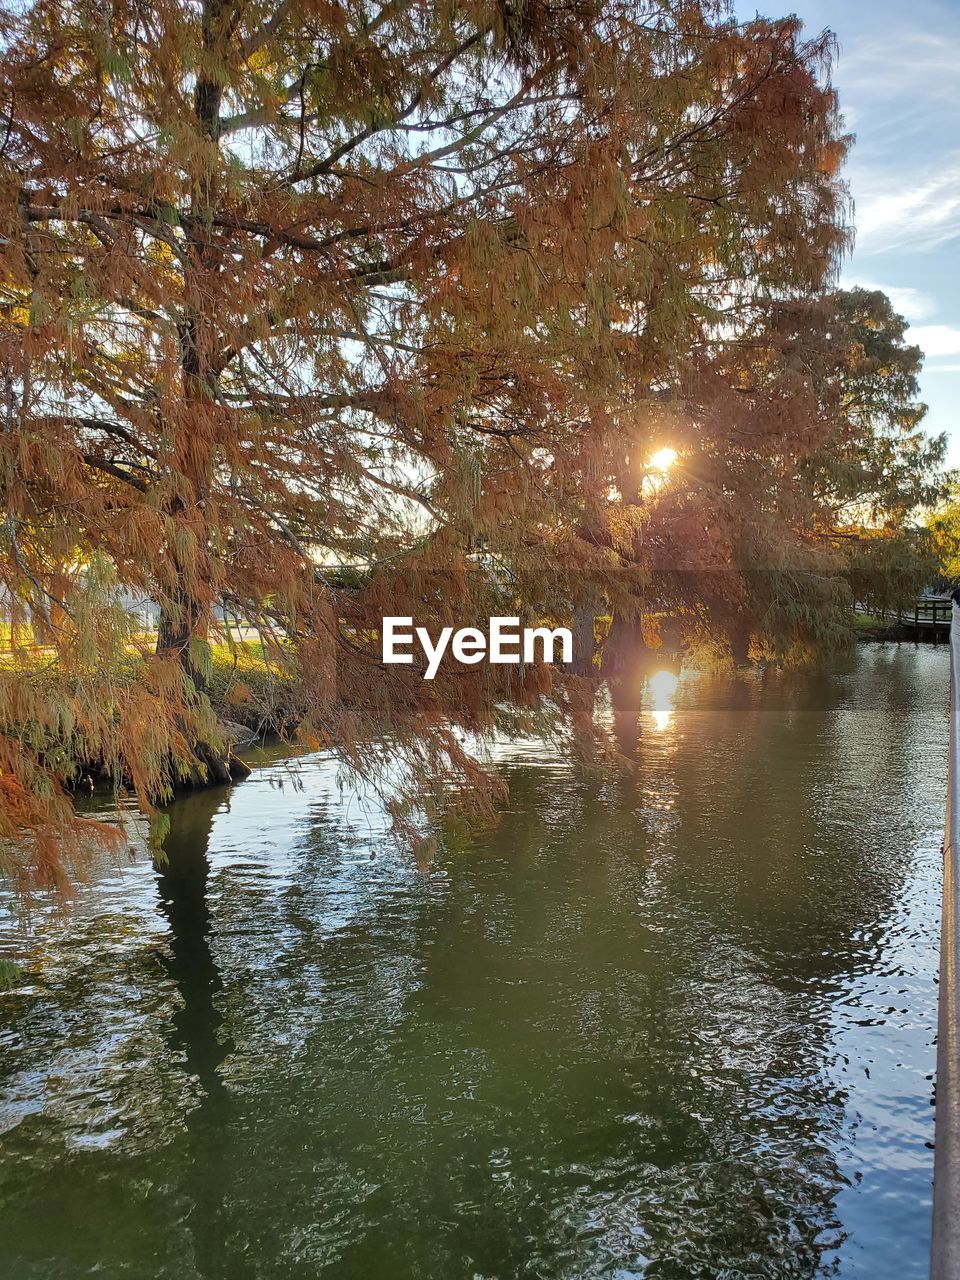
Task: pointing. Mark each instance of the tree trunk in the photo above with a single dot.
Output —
(185, 622)
(212, 765)
(176, 629)
(584, 644)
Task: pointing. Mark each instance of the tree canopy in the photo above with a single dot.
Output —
(944, 532)
(312, 312)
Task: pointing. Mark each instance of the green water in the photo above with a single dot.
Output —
(672, 1025)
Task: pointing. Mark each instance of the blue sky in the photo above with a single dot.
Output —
(898, 76)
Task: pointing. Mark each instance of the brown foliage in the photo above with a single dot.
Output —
(411, 288)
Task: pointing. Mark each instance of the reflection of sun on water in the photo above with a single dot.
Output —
(663, 689)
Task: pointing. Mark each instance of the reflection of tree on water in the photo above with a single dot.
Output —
(609, 1029)
(601, 1035)
(197, 1026)
(628, 662)
(182, 884)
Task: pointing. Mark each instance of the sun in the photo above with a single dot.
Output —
(663, 459)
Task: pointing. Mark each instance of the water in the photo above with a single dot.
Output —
(673, 1025)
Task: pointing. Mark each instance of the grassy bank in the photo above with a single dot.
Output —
(868, 622)
(250, 695)
(248, 689)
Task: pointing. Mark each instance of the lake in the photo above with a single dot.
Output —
(674, 1023)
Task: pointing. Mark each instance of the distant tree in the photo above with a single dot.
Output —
(292, 286)
(802, 482)
(846, 501)
(877, 472)
(876, 466)
(944, 530)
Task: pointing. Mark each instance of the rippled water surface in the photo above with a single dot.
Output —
(673, 1025)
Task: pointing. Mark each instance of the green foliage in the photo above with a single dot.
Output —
(876, 466)
(158, 831)
(888, 572)
(944, 531)
(875, 472)
(11, 975)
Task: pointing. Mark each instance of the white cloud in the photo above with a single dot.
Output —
(936, 340)
(907, 62)
(898, 211)
(913, 304)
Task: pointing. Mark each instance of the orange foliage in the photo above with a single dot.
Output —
(413, 289)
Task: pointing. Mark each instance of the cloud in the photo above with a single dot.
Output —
(906, 62)
(913, 213)
(913, 304)
(936, 340)
(903, 88)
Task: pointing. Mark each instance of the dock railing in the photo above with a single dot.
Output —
(945, 1243)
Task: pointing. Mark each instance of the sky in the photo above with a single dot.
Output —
(898, 76)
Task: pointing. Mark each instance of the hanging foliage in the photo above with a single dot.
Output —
(315, 312)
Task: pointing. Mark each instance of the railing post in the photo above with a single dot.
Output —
(945, 1243)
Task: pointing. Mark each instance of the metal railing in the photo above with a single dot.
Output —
(945, 1244)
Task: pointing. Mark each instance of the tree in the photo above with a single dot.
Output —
(877, 470)
(292, 287)
(804, 474)
(944, 531)
(876, 466)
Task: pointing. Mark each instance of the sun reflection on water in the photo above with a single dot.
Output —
(663, 690)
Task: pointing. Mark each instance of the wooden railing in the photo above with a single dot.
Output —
(928, 616)
(945, 1244)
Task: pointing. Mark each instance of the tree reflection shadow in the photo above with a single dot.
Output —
(197, 1031)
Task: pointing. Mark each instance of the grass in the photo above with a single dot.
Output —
(868, 621)
(245, 685)
(11, 975)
